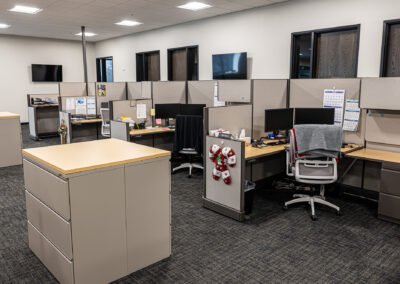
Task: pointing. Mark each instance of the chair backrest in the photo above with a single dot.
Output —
(105, 116)
(188, 132)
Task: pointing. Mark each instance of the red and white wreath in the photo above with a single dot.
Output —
(222, 158)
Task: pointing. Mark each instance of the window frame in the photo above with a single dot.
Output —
(169, 56)
(145, 68)
(314, 34)
(384, 47)
(97, 68)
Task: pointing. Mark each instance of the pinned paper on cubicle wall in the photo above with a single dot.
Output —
(91, 106)
(80, 105)
(351, 115)
(335, 99)
(101, 90)
(217, 103)
(70, 104)
(141, 111)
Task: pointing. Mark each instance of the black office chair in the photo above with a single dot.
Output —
(188, 140)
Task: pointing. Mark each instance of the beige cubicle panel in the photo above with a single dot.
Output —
(380, 93)
(382, 128)
(231, 118)
(92, 89)
(236, 91)
(201, 92)
(72, 89)
(10, 139)
(139, 90)
(113, 91)
(169, 92)
(310, 93)
(128, 108)
(267, 94)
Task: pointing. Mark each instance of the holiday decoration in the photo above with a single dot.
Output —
(222, 158)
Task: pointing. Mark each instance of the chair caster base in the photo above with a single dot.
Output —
(313, 217)
(285, 207)
(339, 213)
(189, 176)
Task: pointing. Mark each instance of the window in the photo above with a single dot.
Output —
(104, 67)
(148, 66)
(390, 59)
(327, 53)
(183, 63)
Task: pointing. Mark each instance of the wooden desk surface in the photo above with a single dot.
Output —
(375, 155)
(6, 114)
(94, 120)
(85, 156)
(45, 105)
(134, 132)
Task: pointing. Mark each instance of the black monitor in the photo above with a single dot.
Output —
(167, 110)
(278, 119)
(314, 116)
(229, 66)
(46, 73)
(192, 109)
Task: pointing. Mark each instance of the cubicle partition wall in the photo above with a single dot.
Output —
(267, 94)
(72, 89)
(43, 119)
(201, 92)
(226, 199)
(310, 93)
(129, 108)
(106, 92)
(169, 92)
(139, 90)
(235, 91)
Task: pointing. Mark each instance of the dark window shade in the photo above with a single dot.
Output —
(148, 66)
(183, 64)
(392, 57)
(302, 56)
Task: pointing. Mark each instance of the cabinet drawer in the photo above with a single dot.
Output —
(50, 224)
(48, 188)
(389, 206)
(52, 258)
(391, 166)
(390, 182)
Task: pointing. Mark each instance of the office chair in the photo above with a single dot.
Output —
(105, 122)
(188, 140)
(312, 171)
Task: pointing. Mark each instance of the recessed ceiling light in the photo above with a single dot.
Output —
(25, 9)
(128, 23)
(4, 26)
(86, 34)
(195, 6)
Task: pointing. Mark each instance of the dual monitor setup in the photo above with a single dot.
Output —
(167, 111)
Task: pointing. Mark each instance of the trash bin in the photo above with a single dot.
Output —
(248, 196)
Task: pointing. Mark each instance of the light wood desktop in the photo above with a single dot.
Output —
(375, 155)
(10, 139)
(85, 121)
(134, 132)
(101, 199)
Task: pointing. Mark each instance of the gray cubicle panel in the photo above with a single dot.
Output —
(169, 92)
(139, 90)
(236, 91)
(382, 128)
(267, 94)
(380, 93)
(119, 130)
(231, 118)
(92, 89)
(218, 196)
(72, 89)
(310, 93)
(201, 92)
(114, 91)
(128, 108)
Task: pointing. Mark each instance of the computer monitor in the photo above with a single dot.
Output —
(314, 116)
(167, 110)
(192, 109)
(278, 119)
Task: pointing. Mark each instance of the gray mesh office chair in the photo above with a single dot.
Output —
(313, 172)
(105, 122)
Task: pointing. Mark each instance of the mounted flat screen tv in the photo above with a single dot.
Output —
(46, 73)
(230, 66)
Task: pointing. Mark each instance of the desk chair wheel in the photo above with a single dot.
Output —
(339, 213)
(314, 217)
(285, 207)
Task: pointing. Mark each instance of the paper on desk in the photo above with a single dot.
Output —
(70, 104)
(141, 111)
(91, 105)
(351, 115)
(80, 105)
(335, 99)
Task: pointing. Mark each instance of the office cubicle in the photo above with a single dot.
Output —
(139, 90)
(201, 92)
(169, 92)
(110, 91)
(235, 91)
(131, 108)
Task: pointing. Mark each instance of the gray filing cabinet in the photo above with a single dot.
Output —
(389, 196)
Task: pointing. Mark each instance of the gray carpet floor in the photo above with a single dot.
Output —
(273, 246)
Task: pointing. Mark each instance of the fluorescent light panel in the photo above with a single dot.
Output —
(4, 26)
(86, 34)
(25, 9)
(128, 23)
(194, 6)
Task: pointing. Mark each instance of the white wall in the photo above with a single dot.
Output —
(17, 55)
(265, 33)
